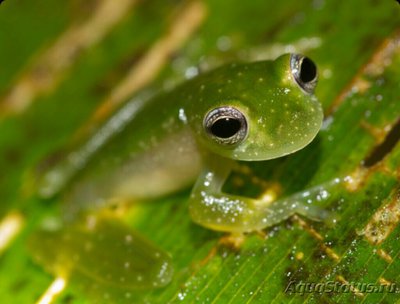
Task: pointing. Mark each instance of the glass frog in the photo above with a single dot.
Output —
(194, 133)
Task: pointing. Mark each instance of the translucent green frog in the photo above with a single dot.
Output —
(194, 133)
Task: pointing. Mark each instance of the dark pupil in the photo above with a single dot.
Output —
(308, 70)
(225, 127)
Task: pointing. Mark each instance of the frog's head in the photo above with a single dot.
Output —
(256, 111)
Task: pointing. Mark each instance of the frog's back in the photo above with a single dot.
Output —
(150, 154)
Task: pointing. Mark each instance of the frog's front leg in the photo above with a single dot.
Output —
(212, 208)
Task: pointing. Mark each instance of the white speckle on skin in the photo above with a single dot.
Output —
(327, 73)
(182, 116)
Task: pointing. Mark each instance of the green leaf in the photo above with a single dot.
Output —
(356, 47)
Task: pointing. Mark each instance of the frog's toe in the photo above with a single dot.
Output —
(317, 213)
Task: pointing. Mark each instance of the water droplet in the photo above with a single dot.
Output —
(191, 72)
(181, 296)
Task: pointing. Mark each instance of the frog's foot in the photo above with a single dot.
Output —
(303, 203)
(284, 208)
(102, 254)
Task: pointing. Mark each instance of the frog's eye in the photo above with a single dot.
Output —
(304, 72)
(226, 125)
